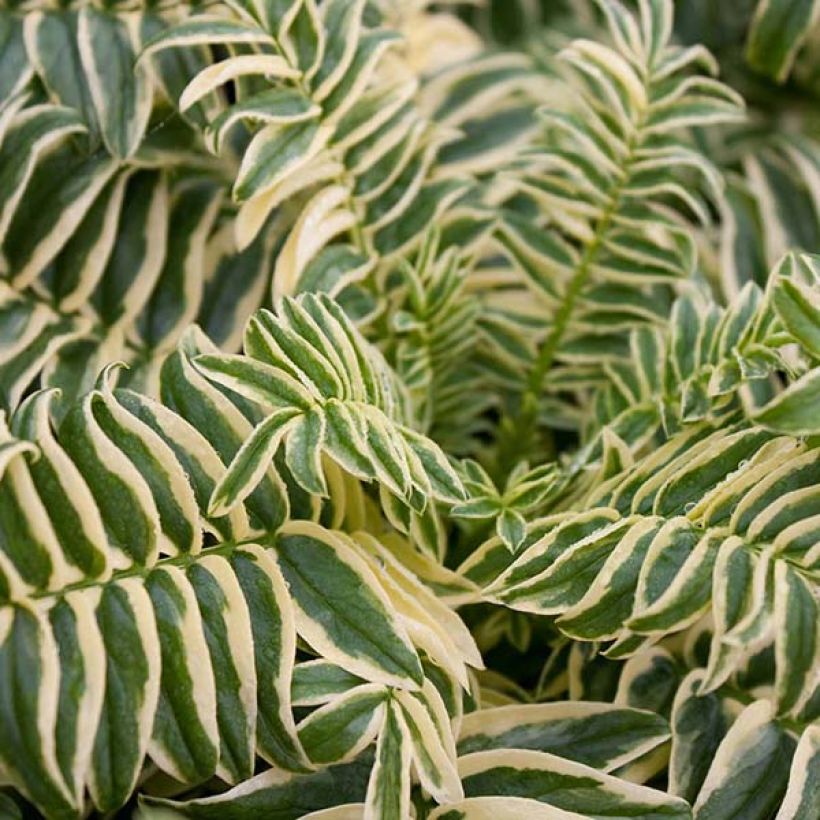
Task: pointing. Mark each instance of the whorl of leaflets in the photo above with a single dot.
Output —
(712, 362)
(328, 393)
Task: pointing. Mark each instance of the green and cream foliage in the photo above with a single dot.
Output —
(396, 426)
(711, 362)
(126, 123)
(771, 204)
(614, 188)
(347, 137)
(778, 31)
(142, 618)
(114, 218)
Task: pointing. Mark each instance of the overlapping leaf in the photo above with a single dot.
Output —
(327, 392)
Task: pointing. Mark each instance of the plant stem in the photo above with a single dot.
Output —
(517, 435)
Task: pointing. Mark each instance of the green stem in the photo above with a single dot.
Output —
(518, 433)
(183, 561)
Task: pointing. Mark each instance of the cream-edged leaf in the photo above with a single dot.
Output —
(216, 75)
(341, 610)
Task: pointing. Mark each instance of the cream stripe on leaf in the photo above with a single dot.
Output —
(52, 45)
(252, 461)
(205, 30)
(610, 599)
(10, 109)
(266, 384)
(699, 723)
(797, 639)
(325, 216)
(302, 36)
(303, 452)
(138, 255)
(501, 808)
(12, 447)
(278, 792)
(388, 790)
(540, 555)
(422, 616)
(171, 490)
(16, 68)
(600, 735)
(317, 682)
(303, 359)
(339, 730)
(371, 47)
(228, 632)
(319, 329)
(802, 797)
(254, 212)
(649, 680)
(447, 621)
(273, 624)
(126, 622)
(792, 411)
(341, 610)
(794, 300)
(778, 29)
(66, 501)
(82, 262)
(754, 628)
(445, 703)
(564, 784)
(432, 201)
(276, 152)
(342, 21)
(216, 75)
(31, 133)
(82, 685)
(732, 600)
(170, 74)
(750, 769)
(52, 340)
(199, 403)
(29, 683)
(239, 270)
(122, 495)
(121, 91)
(380, 158)
(433, 754)
(198, 459)
(27, 538)
(278, 106)
(177, 295)
(684, 599)
(185, 742)
(59, 193)
(565, 582)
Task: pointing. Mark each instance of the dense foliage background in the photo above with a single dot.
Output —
(410, 409)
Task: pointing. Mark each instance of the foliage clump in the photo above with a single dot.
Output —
(409, 410)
